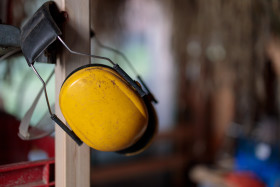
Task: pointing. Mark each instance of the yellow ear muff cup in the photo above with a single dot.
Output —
(102, 109)
(149, 134)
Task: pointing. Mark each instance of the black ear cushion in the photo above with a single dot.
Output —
(148, 135)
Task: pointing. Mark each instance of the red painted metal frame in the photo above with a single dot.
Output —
(37, 173)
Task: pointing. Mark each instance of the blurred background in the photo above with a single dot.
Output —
(214, 67)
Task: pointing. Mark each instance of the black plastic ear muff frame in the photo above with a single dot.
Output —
(42, 31)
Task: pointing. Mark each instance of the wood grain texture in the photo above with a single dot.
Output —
(72, 162)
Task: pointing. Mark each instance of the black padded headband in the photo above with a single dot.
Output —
(40, 31)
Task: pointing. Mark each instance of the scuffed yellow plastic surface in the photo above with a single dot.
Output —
(102, 109)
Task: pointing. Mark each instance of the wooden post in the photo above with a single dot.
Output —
(72, 163)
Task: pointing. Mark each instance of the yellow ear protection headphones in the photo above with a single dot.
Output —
(105, 108)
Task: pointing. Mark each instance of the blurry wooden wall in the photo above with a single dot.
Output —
(226, 72)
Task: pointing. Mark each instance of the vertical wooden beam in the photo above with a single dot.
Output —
(72, 163)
